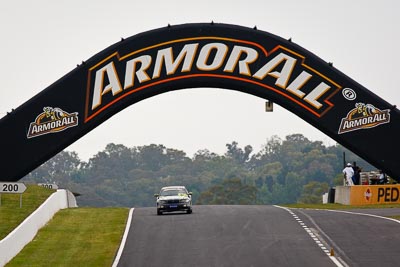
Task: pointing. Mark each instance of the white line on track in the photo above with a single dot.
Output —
(365, 214)
(316, 240)
(123, 241)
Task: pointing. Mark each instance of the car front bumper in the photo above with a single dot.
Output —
(174, 206)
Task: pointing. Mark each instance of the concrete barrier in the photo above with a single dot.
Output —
(368, 194)
(14, 242)
(325, 198)
(342, 195)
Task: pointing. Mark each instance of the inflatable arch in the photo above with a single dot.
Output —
(192, 56)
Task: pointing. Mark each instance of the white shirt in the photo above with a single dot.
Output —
(348, 171)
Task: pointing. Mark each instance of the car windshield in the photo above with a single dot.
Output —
(173, 192)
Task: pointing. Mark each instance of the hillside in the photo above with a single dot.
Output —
(289, 170)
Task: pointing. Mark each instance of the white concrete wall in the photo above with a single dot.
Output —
(325, 198)
(342, 195)
(12, 244)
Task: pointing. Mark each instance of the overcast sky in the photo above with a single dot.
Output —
(41, 41)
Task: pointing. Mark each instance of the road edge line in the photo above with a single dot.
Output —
(365, 214)
(332, 258)
(124, 237)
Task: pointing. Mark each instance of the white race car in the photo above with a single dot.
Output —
(174, 198)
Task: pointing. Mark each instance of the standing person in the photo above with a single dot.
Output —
(382, 178)
(356, 176)
(348, 174)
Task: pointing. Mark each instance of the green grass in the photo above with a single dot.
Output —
(11, 215)
(76, 237)
(335, 206)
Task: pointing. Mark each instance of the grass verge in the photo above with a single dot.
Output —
(11, 215)
(76, 237)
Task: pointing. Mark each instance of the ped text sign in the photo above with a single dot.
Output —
(375, 194)
(12, 188)
(48, 186)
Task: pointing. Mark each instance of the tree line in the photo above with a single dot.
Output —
(289, 170)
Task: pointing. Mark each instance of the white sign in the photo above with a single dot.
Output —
(12, 188)
(49, 186)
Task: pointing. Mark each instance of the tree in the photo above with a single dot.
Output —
(237, 154)
(230, 191)
(269, 153)
(61, 169)
(312, 192)
(284, 171)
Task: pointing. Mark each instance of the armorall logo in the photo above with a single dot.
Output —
(52, 120)
(279, 70)
(364, 116)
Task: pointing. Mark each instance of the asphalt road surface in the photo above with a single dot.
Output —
(358, 238)
(220, 236)
(262, 236)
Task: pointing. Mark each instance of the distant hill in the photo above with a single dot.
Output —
(282, 172)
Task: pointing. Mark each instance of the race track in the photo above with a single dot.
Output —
(359, 237)
(262, 236)
(220, 236)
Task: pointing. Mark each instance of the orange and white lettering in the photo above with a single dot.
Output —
(141, 74)
(282, 76)
(203, 62)
(233, 60)
(316, 93)
(166, 56)
(99, 89)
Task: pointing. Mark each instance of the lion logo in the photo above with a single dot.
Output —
(52, 120)
(364, 116)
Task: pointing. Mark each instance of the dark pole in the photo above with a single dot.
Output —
(344, 159)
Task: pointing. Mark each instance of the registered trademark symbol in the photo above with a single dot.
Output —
(349, 94)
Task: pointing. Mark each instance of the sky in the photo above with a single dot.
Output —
(43, 40)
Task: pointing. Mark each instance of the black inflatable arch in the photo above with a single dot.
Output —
(193, 56)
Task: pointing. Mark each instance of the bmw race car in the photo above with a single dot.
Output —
(174, 198)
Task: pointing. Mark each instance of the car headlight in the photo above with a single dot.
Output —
(185, 200)
(162, 201)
